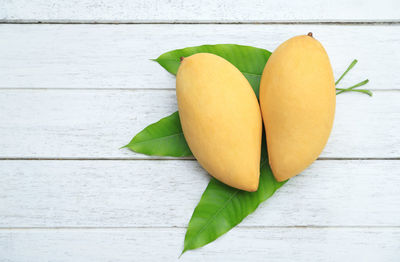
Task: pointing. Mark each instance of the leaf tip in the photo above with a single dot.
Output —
(183, 251)
(125, 146)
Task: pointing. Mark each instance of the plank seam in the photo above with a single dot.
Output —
(200, 22)
(183, 227)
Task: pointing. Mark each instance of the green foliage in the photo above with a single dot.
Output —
(163, 138)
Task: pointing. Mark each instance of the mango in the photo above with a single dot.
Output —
(221, 119)
(297, 99)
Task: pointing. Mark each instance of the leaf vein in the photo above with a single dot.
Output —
(243, 72)
(158, 138)
(216, 214)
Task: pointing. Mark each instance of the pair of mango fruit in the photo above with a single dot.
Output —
(222, 119)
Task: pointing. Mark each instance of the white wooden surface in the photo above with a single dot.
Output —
(199, 11)
(162, 193)
(72, 94)
(118, 56)
(164, 244)
(96, 123)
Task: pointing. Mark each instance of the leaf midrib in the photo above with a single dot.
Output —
(216, 214)
(158, 138)
(247, 73)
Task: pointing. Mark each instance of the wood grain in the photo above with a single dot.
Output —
(82, 91)
(160, 193)
(242, 244)
(118, 56)
(96, 123)
(199, 11)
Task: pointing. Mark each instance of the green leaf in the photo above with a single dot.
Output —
(163, 138)
(249, 60)
(222, 207)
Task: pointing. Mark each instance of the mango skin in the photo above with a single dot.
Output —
(297, 99)
(221, 119)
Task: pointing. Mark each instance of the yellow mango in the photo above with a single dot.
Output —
(297, 99)
(221, 119)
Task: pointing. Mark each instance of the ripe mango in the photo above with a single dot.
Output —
(221, 119)
(297, 99)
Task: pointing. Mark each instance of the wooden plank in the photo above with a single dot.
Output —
(164, 194)
(117, 56)
(242, 244)
(199, 11)
(96, 123)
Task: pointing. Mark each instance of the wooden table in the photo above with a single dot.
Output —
(76, 83)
